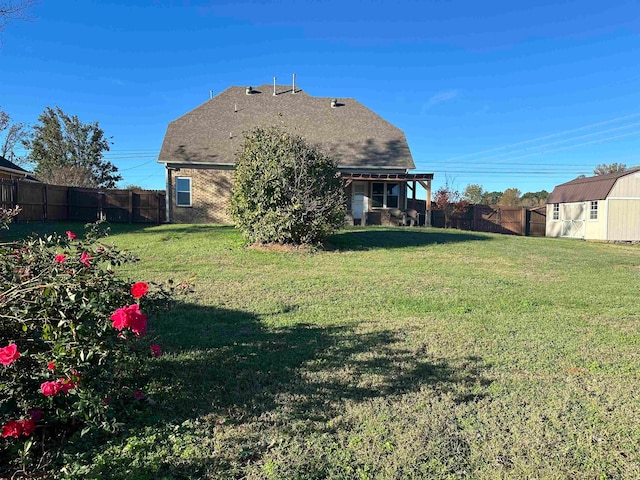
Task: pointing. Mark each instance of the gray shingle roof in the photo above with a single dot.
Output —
(588, 188)
(6, 164)
(213, 132)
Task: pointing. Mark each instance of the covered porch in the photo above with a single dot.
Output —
(388, 198)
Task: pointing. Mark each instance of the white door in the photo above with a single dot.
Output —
(573, 217)
(359, 200)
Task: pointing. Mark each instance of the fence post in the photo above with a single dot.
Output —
(130, 206)
(45, 202)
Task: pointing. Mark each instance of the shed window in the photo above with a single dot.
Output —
(556, 211)
(593, 210)
(183, 191)
(385, 195)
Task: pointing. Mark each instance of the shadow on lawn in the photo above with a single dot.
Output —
(224, 365)
(371, 238)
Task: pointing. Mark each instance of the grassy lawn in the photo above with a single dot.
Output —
(394, 354)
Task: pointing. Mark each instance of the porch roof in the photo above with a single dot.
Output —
(399, 177)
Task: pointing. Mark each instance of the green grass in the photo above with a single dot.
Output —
(394, 354)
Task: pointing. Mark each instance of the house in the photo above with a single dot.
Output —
(604, 207)
(11, 171)
(200, 147)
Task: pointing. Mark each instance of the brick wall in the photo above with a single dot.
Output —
(210, 192)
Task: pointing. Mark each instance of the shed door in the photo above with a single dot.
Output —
(573, 217)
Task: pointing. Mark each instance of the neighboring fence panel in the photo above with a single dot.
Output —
(40, 202)
(57, 202)
(505, 220)
(537, 222)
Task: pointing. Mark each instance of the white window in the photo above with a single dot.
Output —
(593, 210)
(556, 211)
(385, 195)
(183, 191)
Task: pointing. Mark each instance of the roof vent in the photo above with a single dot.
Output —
(274, 86)
(334, 103)
(249, 90)
(294, 84)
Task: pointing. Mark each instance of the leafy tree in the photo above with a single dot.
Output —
(285, 191)
(11, 134)
(450, 202)
(473, 193)
(491, 198)
(534, 199)
(604, 169)
(510, 198)
(69, 152)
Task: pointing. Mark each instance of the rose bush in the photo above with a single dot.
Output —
(72, 334)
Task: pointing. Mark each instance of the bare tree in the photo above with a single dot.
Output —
(11, 135)
(14, 10)
(604, 169)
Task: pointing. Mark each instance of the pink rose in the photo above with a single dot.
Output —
(11, 429)
(60, 258)
(138, 395)
(139, 289)
(71, 235)
(84, 259)
(49, 389)
(155, 350)
(9, 354)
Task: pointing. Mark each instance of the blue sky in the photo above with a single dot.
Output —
(522, 94)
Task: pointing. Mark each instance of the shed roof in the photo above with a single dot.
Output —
(588, 188)
(213, 133)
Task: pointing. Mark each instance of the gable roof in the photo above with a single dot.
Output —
(588, 188)
(11, 167)
(213, 133)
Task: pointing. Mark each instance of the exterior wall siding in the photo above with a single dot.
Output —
(624, 220)
(626, 187)
(210, 193)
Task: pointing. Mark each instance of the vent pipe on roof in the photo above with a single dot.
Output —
(210, 94)
(249, 90)
(274, 86)
(294, 83)
(334, 103)
(235, 108)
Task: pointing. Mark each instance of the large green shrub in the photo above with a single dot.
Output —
(285, 191)
(72, 344)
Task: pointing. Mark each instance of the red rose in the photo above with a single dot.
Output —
(138, 395)
(119, 319)
(60, 258)
(130, 317)
(71, 235)
(139, 289)
(11, 429)
(50, 389)
(28, 426)
(9, 354)
(36, 414)
(84, 259)
(51, 365)
(66, 385)
(155, 350)
(137, 320)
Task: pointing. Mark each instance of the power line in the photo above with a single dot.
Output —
(545, 137)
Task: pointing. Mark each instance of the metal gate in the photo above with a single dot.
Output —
(573, 218)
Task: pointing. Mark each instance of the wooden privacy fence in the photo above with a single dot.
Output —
(41, 202)
(507, 220)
